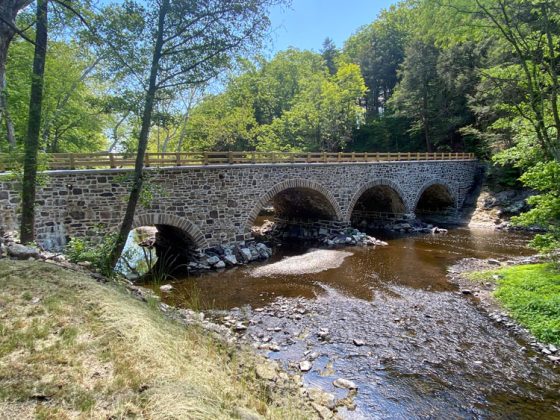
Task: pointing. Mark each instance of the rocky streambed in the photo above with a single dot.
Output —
(383, 333)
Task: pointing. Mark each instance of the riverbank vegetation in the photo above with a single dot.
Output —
(71, 347)
(531, 294)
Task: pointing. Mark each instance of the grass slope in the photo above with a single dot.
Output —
(72, 348)
(531, 293)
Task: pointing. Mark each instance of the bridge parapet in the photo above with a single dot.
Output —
(104, 160)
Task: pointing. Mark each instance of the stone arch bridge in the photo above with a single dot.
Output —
(218, 204)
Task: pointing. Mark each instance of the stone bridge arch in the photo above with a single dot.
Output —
(295, 183)
(445, 185)
(152, 219)
(375, 183)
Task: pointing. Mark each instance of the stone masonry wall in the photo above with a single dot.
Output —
(216, 204)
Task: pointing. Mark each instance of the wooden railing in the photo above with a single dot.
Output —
(102, 160)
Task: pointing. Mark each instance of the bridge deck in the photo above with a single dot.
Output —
(101, 160)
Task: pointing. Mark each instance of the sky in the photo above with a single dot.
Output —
(306, 23)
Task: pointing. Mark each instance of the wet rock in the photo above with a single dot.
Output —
(466, 292)
(220, 264)
(305, 366)
(344, 383)
(493, 261)
(358, 342)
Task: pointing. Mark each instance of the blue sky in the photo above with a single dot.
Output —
(308, 22)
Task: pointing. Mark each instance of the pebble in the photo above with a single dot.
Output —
(358, 342)
(305, 366)
(344, 383)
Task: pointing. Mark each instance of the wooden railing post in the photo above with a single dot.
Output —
(72, 163)
(254, 157)
(112, 160)
(325, 157)
(206, 161)
(366, 159)
(339, 157)
(147, 160)
(353, 156)
(230, 157)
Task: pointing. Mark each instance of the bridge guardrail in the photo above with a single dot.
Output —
(103, 160)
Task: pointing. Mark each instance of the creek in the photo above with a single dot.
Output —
(388, 319)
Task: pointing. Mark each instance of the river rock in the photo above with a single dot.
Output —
(220, 264)
(305, 366)
(166, 288)
(321, 397)
(344, 383)
(358, 342)
(214, 259)
(230, 259)
(493, 261)
(22, 252)
(246, 254)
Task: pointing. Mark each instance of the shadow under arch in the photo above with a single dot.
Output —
(317, 200)
(380, 195)
(435, 195)
(164, 219)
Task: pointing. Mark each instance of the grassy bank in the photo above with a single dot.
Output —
(70, 347)
(531, 294)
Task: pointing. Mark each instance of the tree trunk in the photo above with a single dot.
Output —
(138, 179)
(5, 38)
(27, 233)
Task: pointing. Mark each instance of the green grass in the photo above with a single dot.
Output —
(531, 294)
(73, 348)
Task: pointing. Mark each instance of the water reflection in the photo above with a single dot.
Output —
(415, 261)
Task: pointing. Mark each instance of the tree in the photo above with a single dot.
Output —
(330, 53)
(74, 115)
(27, 231)
(379, 50)
(185, 43)
(9, 10)
(419, 92)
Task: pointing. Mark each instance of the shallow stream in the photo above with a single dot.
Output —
(388, 319)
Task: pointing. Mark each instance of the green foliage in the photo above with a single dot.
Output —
(292, 102)
(531, 293)
(545, 178)
(72, 119)
(96, 252)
